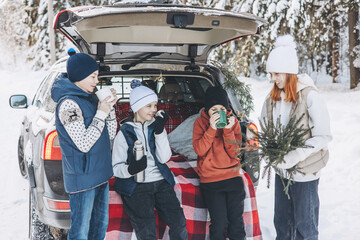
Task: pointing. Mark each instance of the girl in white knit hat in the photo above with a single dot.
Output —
(155, 188)
(295, 94)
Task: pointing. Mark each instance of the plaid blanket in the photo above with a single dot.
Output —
(188, 192)
(177, 112)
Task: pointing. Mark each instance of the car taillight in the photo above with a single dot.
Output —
(52, 149)
(250, 135)
(57, 205)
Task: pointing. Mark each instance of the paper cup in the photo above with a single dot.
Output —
(104, 93)
(222, 120)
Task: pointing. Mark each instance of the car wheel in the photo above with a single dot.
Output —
(21, 160)
(38, 230)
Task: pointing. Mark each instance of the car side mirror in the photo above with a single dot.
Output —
(18, 101)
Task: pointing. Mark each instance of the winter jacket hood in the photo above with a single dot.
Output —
(64, 87)
(304, 81)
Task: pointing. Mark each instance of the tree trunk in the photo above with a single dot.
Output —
(353, 42)
(335, 49)
(51, 31)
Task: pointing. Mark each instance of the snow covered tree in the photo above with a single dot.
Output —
(13, 30)
(37, 21)
(302, 19)
(320, 48)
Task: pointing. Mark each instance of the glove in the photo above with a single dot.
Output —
(137, 166)
(160, 121)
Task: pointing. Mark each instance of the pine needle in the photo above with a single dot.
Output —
(275, 141)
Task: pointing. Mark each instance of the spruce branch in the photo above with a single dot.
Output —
(275, 141)
(241, 90)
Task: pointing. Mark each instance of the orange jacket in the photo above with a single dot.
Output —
(216, 157)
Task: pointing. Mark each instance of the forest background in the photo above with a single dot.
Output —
(327, 33)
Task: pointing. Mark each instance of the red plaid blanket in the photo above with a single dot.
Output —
(178, 112)
(196, 214)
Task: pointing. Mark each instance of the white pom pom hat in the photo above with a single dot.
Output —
(140, 96)
(283, 58)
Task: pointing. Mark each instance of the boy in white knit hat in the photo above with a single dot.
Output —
(295, 94)
(155, 190)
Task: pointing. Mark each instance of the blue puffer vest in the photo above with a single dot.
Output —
(82, 171)
(126, 186)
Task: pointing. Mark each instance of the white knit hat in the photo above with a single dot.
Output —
(140, 96)
(283, 58)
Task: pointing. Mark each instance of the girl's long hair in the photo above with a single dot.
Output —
(290, 89)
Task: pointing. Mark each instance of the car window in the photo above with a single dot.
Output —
(48, 102)
(43, 96)
(37, 97)
(168, 88)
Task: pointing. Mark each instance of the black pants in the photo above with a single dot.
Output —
(226, 206)
(140, 209)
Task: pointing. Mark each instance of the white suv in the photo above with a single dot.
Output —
(164, 46)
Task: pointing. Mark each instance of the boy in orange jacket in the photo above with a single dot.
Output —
(221, 185)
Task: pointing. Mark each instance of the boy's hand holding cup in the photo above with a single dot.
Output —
(231, 122)
(103, 93)
(107, 98)
(222, 119)
(218, 120)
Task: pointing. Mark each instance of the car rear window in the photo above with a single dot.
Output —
(170, 89)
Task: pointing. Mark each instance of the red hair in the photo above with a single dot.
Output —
(290, 89)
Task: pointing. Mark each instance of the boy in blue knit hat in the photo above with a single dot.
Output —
(85, 127)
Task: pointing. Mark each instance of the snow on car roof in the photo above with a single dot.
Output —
(92, 11)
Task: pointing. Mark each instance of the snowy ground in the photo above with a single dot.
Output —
(339, 184)
(14, 189)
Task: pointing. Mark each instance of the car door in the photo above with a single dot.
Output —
(177, 32)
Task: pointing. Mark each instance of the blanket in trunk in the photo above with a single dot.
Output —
(196, 214)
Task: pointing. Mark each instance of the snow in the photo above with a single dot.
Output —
(95, 11)
(14, 189)
(338, 189)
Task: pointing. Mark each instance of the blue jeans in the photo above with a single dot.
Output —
(140, 209)
(89, 213)
(296, 218)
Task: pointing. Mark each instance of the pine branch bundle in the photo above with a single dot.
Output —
(275, 141)
(241, 90)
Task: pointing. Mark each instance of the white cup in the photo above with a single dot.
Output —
(104, 93)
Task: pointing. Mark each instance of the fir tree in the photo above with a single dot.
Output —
(37, 22)
(13, 30)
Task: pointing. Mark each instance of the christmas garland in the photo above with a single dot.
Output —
(241, 90)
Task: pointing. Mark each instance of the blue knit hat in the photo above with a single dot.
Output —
(80, 65)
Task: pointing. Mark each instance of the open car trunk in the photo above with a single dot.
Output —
(175, 32)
